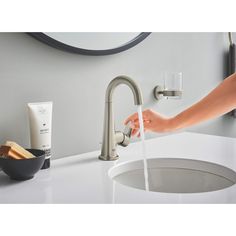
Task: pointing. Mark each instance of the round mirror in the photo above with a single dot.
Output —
(91, 43)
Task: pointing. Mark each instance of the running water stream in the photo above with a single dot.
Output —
(144, 155)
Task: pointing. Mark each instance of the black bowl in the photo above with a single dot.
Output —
(23, 169)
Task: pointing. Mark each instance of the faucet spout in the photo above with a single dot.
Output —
(138, 98)
(112, 138)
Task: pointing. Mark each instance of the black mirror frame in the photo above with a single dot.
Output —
(59, 45)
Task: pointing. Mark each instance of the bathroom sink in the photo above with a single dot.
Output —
(174, 175)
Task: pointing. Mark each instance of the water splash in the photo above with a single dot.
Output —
(145, 167)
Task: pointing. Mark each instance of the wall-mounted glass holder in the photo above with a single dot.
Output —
(172, 86)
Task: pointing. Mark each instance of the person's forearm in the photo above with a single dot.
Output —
(218, 102)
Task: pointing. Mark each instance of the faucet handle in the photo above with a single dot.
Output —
(123, 138)
(128, 130)
(126, 135)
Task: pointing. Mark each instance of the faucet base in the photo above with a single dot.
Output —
(108, 158)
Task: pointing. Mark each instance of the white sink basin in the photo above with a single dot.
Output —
(172, 175)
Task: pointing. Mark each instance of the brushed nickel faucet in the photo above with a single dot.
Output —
(112, 138)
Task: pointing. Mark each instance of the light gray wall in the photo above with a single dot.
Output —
(31, 72)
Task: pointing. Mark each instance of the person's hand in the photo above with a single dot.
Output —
(152, 121)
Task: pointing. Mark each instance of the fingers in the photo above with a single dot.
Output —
(139, 134)
(146, 121)
(136, 128)
(135, 124)
(134, 132)
(131, 118)
(134, 116)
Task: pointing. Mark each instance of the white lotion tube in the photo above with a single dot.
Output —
(40, 121)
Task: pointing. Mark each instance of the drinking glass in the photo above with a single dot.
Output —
(173, 84)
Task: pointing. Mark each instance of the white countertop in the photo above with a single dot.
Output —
(84, 179)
